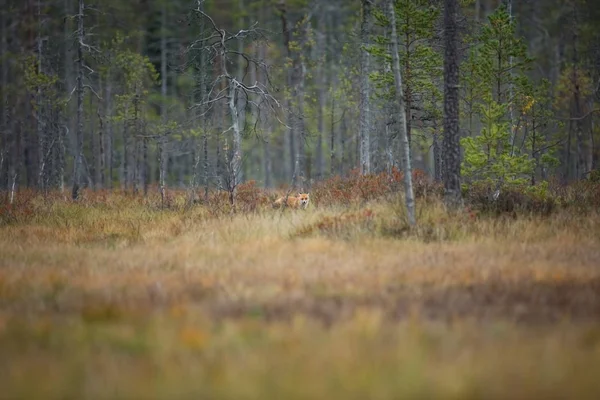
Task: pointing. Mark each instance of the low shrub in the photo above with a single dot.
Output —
(357, 188)
(511, 200)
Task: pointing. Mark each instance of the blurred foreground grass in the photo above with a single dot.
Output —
(117, 299)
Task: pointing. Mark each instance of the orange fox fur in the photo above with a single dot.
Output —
(299, 201)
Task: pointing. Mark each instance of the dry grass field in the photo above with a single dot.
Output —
(117, 298)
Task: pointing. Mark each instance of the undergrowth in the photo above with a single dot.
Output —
(342, 207)
(121, 295)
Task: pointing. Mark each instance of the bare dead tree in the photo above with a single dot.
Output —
(218, 46)
(80, 86)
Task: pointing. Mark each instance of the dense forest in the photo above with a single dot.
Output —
(201, 94)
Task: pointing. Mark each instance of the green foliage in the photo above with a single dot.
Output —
(421, 66)
(41, 84)
(512, 112)
(137, 76)
(420, 63)
(594, 176)
(488, 156)
(573, 78)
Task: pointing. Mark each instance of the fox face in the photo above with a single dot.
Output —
(303, 198)
(299, 201)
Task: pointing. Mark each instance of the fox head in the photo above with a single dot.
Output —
(303, 198)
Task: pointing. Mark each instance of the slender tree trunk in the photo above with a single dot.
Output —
(289, 140)
(145, 166)
(162, 153)
(513, 128)
(93, 144)
(408, 94)
(332, 160)
(437, 156)
(451, 163)
(137, 150)
(101, 164)
(591, 148)
(577, 100)
(70, 139)
(78, 164)
(301, 160)
(126, 161)
(235, 163)
(534, 152)
(266, 124)
(7, 150)
(240, 97)
(40, 109)
(342, 153)
(203, 89)
(365, 92)
(206, 164)
(321, 54)
(408, 187)
(108, 179)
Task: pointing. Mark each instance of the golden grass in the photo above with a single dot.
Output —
(120, 299)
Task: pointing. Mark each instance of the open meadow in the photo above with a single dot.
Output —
(115, 297)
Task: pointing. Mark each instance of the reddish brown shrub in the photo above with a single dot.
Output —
(250, 197)
(358, 188)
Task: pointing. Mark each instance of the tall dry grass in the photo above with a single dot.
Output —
(118, 297)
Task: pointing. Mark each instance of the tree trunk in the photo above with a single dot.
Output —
(40, 109)
(78, 164)
(203, 89)
(300, 129)
(162, 153)
(266, 124)
(332, 159)
(240, 97)
(7, 149)
(365, 103)
(342, 153)
(321, 54)
(108, 180)
(451, 163)
(437, 156)
(70, 139)
(289, 140)
(101, 165)
(513, 128)
(236, 158)
(408, 187)
(577, 101)
(93, 145)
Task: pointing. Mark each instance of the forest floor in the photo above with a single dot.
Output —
(118, 299)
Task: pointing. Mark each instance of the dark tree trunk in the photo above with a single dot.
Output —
(78, 164)
(451, 164)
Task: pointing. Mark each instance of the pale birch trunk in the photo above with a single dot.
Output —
(405, 149)
(365, 103)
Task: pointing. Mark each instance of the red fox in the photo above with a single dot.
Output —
(300, 201)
